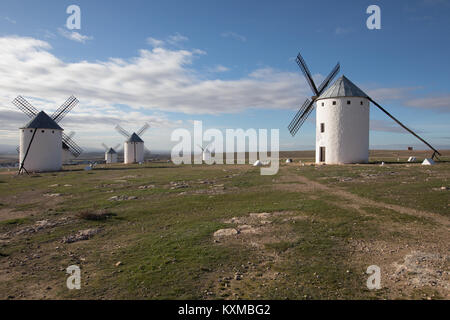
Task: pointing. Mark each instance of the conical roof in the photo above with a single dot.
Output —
(111, 151)
(343, 88)
(134, 138)
(42, 121)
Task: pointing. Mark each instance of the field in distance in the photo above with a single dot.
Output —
(160, 231)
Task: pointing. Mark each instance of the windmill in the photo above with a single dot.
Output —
(67, 152)
(133, 148)
(111, 153)
(206, 154)
(342, 119)
(42, 138)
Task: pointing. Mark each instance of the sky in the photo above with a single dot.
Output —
(230, 64)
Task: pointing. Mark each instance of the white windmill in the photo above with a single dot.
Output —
(206, 153)
(110, 153)
(42, 138)
(133, 148)
(342, 119)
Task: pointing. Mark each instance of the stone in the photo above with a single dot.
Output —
(81, 235)
(225, 232)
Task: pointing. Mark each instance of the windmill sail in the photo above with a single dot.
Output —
(122, 131)
(73, 147)
(64, 109)
(308, 106)
(25, 106)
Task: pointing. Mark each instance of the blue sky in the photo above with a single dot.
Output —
(228, 63)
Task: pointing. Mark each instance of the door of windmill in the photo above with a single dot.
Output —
(322, 154)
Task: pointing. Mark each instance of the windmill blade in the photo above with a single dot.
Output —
(24, 106)
(117, 146)
(73, 147)
(302, 64)
(403, 126)
(330, 78)
(71, 134)
(301, 116)
(143, 129)
(18, 149)
(200, 147)
(122, 131)
(105, 146)
(64, 109)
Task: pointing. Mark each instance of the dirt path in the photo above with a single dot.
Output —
(357, 201)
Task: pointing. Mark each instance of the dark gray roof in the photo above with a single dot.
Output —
(134, 138)
(42, 121)
(343, 88)
(111, 151)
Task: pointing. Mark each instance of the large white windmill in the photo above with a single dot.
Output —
(342, 119)
(133, 147)
(110, 153)
(42, 138)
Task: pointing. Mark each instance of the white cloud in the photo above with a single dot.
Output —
(75, 36)
(234, 35)
(390, 93)
(173, 40)
(177, 38)
(219, 68)
(152, 83)
(440, 103)
(155, 42)
(10, 20)
(342, 30)
(387, 126)
(160, 79)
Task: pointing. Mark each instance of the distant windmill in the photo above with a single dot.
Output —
(42, 138)
(342, 120)
(133, 148)
(206, 154)
(111, 153)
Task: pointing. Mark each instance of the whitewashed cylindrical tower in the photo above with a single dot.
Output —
(111, 156)
(206, 156)
(342, 124)
(133, 149)
(41, 143)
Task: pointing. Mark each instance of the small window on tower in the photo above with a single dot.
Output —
(322, 127)
(31, 130)
(43, 131)
(53, 131)
(348, 101)
(323, 104)
(362, 102)
(334, 103)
